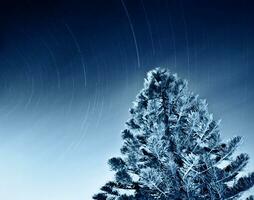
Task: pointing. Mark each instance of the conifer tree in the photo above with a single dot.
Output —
(172, 149)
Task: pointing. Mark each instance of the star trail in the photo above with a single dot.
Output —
(70, 70)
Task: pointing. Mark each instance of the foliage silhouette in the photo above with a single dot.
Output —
(172, 149)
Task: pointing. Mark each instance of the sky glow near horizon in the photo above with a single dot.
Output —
(70, 72)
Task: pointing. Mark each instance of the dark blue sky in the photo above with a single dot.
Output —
(69, 71)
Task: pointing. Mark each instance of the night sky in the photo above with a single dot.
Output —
(69, 71)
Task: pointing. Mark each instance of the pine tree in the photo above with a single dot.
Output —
(172, 149)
